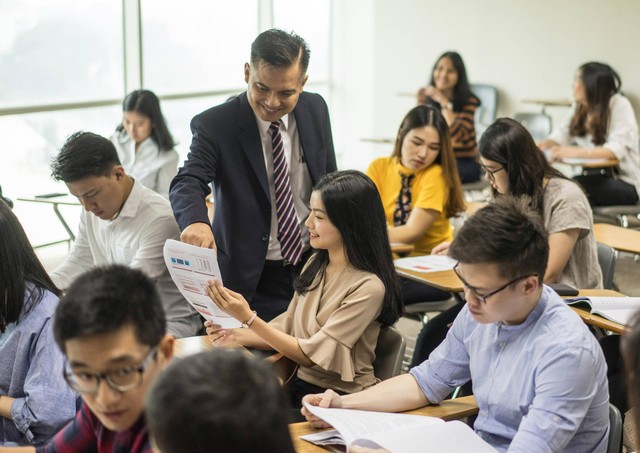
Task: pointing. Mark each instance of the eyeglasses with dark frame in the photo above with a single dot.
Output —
(490, 172)
(483, 297)
(123, 379)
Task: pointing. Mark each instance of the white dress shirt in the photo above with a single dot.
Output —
(134, 238)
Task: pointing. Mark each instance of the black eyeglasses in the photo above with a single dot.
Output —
(483, 297)
(491, 173)
(121, 380)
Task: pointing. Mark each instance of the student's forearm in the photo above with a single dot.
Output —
(404, 234)
(250, 339)
(280, 341)
(5, 406)
(397, 394)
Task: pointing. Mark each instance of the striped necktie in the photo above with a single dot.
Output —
(288, 228)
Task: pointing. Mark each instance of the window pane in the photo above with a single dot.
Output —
(196, 45)
(60, 51)
(311, 20)
(30, 141)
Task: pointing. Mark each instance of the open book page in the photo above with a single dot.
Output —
(354, 424)
(426, 263)
(617, 309)
(450, 437)
(191, 268)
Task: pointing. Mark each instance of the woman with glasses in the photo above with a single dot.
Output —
(449, 87)
(601, 125)
(420, 189)
(35, 401)
(144, 143)
(514, 166)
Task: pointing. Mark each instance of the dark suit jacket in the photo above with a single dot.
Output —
(226, 150)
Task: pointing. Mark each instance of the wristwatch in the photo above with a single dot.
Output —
(250, 321)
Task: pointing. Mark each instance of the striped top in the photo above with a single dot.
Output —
(463, 131)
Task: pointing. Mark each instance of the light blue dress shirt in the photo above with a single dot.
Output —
(541, 386)
(31, 372)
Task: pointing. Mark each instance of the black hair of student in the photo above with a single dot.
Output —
(83, 155)
(281, 49)
(354, 207)
(508, 233)
(232, 403)
(429, 114)
(146, 103)
(508, 142)
(462, 91)
(23, 279)
(630, 348)
(600, 83)
(106, 299)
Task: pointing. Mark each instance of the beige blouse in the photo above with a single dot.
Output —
(336, 328)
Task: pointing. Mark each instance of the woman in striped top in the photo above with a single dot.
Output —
(449, 87)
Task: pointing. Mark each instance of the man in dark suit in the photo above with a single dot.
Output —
(262, 151)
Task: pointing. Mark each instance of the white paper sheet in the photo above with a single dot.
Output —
(191, 268)
(426, 263)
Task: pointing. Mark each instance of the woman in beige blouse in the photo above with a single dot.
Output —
(346, 293)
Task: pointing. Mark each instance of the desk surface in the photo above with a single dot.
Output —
(447, 410)
(65, 200)
(183, 347)
(622, 239)
(550, 102)
(591, 163)
(444, 280)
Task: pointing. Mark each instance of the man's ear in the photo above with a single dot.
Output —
(118, 172)
(247, 71)
(531, 285)
(165, 349)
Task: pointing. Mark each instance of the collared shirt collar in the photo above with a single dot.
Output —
(263, 126)
(130, 207)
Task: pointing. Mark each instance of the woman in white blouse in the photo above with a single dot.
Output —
(144, 143)
(601, 125)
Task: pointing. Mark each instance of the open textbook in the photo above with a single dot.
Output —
(191, 268)
(617, 309)
(426, 263)
(397, 433)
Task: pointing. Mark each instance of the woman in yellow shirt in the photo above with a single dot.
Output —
(420, 188)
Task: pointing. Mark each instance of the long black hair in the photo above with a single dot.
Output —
(507, 142)
(462, 91)
(23, 279)
(145, 102)
(354, 207)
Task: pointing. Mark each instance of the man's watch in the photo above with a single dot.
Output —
(250, 321)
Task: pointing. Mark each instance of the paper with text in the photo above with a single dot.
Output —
(191, 268)
(426, 263)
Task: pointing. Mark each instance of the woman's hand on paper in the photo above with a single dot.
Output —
(441, 249)
(327, 399)
(219, 336)
(231, 302)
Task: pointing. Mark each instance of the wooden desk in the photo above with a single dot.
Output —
(549, 103)
(599, 321)
(618, 238)
(63, 200)
(400, 250)
(183, 347)
(447, 410)
(380, 141)
(444, 280)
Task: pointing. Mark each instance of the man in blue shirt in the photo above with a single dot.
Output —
(538, 374)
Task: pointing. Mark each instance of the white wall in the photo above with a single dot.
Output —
(527, 48)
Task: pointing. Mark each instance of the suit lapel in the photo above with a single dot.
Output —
(251, 144)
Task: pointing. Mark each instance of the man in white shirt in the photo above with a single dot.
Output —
(123, 222)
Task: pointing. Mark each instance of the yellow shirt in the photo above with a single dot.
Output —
(428, 191)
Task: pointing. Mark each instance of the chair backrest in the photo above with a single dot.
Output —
(389, 353)
(615, 430)
(538, 124)
(607, 260)
(486, 113)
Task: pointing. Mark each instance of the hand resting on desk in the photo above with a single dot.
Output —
(441, 249)
(327, 399)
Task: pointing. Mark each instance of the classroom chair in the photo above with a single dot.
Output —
(617, 215)
(389, 353)
(487, 111)
(538, 124)
(607, 259)
(615, 430)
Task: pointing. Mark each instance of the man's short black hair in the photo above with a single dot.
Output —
(220, 400)
(281, 49)
(107, 299)
(83, 155)
(507, 233)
